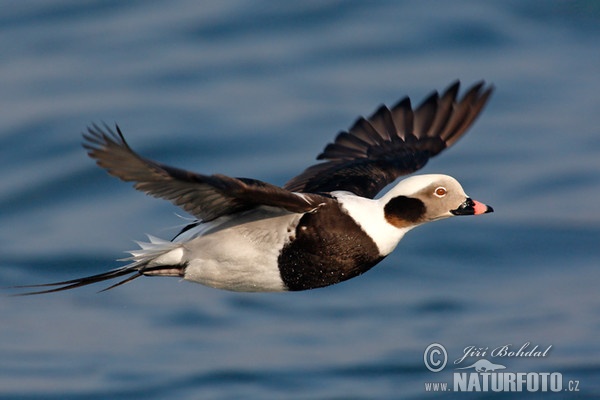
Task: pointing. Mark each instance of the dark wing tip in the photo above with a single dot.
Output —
(100, 138)
(393, 141)
(445, 117)
(465, 111)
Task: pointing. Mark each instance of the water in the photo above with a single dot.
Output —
(257, 89)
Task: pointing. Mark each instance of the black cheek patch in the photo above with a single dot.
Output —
(401, 211)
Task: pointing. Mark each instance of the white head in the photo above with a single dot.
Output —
(412, 202)
(424, 198)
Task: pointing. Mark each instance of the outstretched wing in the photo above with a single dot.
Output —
(392, 143)
(204, 196)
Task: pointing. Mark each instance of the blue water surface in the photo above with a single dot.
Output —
(257, 89)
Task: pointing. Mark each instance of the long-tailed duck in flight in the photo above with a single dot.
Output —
(322, 227)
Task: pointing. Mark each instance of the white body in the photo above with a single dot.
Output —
(238, 255)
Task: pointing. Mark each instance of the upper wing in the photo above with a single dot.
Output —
(392, 143)
(205, 196)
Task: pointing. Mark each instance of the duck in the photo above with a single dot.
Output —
(324, 226)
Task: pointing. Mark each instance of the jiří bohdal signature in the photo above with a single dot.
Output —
(506, 351)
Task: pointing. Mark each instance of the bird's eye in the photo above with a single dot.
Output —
(440, 192)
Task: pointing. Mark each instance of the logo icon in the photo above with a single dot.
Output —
(484, 365)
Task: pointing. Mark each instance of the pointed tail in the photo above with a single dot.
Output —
(156, 258)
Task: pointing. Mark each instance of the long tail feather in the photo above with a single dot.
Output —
(145, 261)
(88, 280)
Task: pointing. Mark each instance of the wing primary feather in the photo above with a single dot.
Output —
(403, 117)
(363, 130)
(444, 109)
(206, 197)
(424, 116)
(393, 142)
(383, 124)
(476, 106)
(462, 113)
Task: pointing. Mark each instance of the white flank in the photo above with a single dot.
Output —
(240, 254)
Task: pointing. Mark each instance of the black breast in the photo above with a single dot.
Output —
(329, 247)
